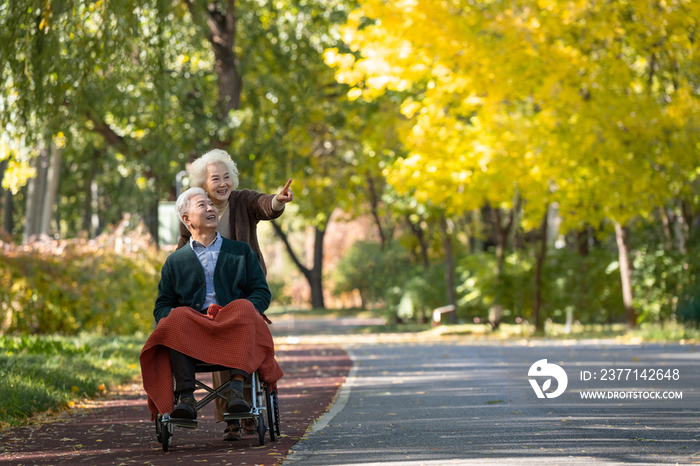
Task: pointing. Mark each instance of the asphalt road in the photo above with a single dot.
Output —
(472, 403)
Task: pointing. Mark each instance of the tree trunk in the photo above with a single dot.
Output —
(53, 176)
(8, 222)
(36, 188)
(502, 232)
(688, 218)
(314, 276)
(151, 219)
(666, 222)
(316, 281)
(88, 189)
(422, 242)
(582, 241)
(537, 301)
(625, 274)
(221, 34)
(374, 203)
(449, 269)
(7, 195)
(3, 167)
(95, 223)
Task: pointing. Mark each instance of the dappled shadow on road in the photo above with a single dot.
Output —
(118, 431)
(441, 404)
(538, 436)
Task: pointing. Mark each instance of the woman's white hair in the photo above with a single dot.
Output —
(182, 205)
(198, 169)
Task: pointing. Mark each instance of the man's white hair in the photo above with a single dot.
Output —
(182, 205)
(198, 169)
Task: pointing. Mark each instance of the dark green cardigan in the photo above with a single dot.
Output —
(237, 275)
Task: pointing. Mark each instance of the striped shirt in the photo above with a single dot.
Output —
(208, 255)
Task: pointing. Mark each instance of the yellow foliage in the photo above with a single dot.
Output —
(591, 105)
(17, 174)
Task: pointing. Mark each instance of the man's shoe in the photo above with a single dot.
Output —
(187, 409)
(235, 404)
(232, 432)
(250, 426)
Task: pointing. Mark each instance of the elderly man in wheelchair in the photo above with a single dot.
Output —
(211, 299)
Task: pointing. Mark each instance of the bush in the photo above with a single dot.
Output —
(386, 277)
(665, 284)
(586, 284)
(374, 272)
(425, 291)
(108, 285)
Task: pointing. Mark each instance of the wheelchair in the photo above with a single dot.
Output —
(264, 405)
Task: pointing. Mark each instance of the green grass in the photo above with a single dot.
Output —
(408, 327)
(670, 331)
(667, 332)
(39, 373)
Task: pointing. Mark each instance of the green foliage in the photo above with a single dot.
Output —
(425, 291)
(372, 271)
(75, 286)
(33, 375)
(666, 284)
(586, 284)
(689, 307)
(277, 289)
(386, 277)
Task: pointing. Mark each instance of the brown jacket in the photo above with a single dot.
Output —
(246, 209)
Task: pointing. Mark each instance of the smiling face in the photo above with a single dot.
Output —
(202, 214)
(218, 182)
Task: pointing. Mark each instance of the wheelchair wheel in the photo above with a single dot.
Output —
(261, 429)
(269, 409)
(276, 406)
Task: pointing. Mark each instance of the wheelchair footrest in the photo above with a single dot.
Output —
(254, 414)
(188, 423)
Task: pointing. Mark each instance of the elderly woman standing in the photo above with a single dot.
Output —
(239, 214)
(239, 210)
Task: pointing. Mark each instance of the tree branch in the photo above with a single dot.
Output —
(110, 136)
(282, 235)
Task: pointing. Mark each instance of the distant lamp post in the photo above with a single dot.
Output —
(178, 182)
(168, 220)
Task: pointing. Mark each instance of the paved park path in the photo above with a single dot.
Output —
(469, 403)
(408, 401)
(118, 431)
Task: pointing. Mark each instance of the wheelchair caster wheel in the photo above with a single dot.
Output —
(167, 437)
(164, 432)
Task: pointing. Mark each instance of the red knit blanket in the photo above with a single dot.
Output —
(234, 336)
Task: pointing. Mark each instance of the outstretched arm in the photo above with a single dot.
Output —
(286, 195)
